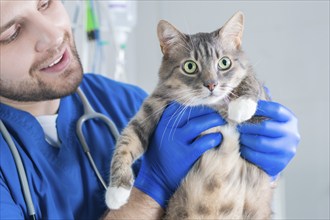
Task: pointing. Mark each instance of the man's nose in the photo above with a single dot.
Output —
(48, 35)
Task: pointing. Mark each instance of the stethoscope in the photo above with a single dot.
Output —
(89, 113)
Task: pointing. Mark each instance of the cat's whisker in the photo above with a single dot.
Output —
(229, 90)
(176, 114)
(185, 97)
(156, 112)
(186, 105)
(176, 123)
(161, 109)
(166, 127)
(180, 112)
(255, 64)
(233, 94)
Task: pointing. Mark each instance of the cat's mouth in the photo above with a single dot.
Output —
(212, 94)
(211, 98)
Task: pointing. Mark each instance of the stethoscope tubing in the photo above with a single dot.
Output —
(20, 169)
(89, 113)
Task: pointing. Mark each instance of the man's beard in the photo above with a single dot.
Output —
(37, 89)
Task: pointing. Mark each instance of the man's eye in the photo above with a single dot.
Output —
(44, 4)
(12, 36)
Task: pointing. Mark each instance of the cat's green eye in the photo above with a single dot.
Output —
(224, 63)
(190, 67)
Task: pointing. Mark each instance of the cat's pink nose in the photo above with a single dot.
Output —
(211, 86)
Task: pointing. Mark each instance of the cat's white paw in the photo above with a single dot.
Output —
(241, 109)
(116, 197)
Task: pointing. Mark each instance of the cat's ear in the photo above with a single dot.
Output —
(168, 36)
(231, 33)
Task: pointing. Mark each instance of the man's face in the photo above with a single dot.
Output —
(38, 58)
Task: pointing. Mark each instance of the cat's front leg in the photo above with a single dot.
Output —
(241, 109)
(128, 148)
(132, 143)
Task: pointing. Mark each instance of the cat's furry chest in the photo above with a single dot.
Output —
(222, 185)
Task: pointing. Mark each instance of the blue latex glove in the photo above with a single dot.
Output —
(174, 148)
(272, 143)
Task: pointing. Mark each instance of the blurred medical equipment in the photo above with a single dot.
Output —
(93, 51)
(89, 113)
(101, 30)
(122, 16)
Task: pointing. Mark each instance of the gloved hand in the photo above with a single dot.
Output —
(174, 148)
(272, 143)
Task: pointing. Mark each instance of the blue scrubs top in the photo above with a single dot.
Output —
(61, 180)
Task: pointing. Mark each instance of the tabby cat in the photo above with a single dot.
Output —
(212, 68)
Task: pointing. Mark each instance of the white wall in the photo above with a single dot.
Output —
(288, 43)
